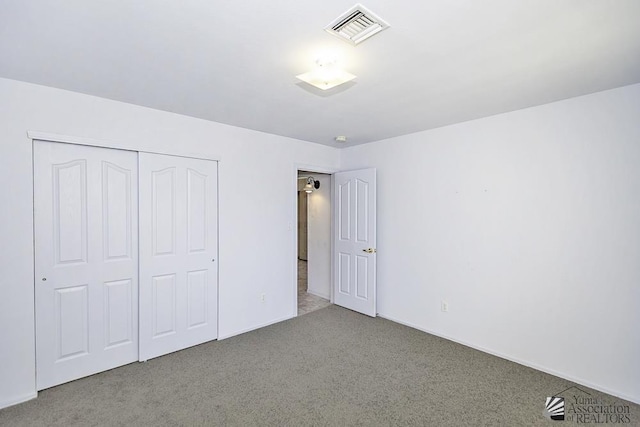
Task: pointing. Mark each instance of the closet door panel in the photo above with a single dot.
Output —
(178, 251)
(86, 264)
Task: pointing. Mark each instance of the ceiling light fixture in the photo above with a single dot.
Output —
(341, 138)
(326, 75)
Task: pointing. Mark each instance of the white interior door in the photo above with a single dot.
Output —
(86, 260)
(354, 237)
(178, 253)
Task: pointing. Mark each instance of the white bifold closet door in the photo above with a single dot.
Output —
(178, 251)
(86, 260)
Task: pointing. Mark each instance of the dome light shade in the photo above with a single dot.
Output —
(326, 76)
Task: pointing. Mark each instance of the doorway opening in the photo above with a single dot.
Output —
(314, 241)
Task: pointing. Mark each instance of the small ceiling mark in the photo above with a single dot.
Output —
(341, 138)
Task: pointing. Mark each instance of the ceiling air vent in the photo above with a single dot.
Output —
(356, 25)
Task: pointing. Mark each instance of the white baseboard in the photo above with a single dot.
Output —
(18, 399)
(634, 399)
(244, 331)
(318, 294)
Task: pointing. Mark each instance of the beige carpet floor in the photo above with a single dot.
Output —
(331, 367)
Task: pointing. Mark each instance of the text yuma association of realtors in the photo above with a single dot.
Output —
(593, 410)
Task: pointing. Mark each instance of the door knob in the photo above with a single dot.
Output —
(369, 250)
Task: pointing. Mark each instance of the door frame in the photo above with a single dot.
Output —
(293, 225)
(103, 143)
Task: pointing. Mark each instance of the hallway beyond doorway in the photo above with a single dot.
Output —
(307, 302)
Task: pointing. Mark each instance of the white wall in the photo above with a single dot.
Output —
(319, 238)
(528, 224)
(255, 231)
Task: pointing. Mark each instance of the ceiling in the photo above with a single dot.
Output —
(235, 62)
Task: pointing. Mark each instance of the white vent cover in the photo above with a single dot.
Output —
(356, 25)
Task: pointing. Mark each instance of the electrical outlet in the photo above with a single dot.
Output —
(444, 306)
(263, 297)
